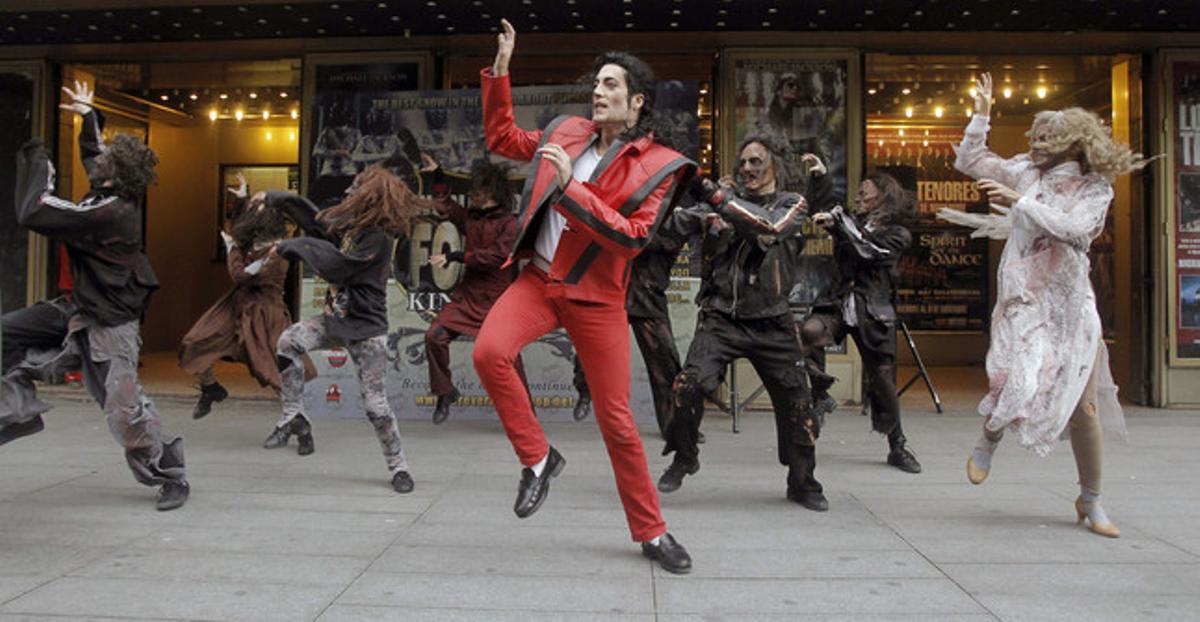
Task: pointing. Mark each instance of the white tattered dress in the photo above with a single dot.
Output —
(1045, 333)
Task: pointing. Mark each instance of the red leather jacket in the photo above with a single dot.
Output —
(610, 218)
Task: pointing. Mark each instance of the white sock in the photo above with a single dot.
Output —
(541, 465)
(982, 454)
(654, 541)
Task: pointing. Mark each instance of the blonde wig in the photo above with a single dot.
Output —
(1082, 130)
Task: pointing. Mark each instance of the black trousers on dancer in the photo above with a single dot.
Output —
(876, 343)
(773, 348)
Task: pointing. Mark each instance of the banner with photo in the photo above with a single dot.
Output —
(804, 101)
(432, 138)
(1186, 184)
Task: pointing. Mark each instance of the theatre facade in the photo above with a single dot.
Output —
(301, 95)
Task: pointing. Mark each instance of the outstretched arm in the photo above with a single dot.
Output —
(974, 158)
(37, 207)
(503, 136)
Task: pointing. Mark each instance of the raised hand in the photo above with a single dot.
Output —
(983, 94)
(437, 261)
(240, 190)
(80, 99)
(505, 41)
(814, 163)
(998, 193)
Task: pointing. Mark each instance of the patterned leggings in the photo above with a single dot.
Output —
(369, 355)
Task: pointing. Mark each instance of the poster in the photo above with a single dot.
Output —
(1186, 185)
(804, 101)
(942, 282)
(414, 130)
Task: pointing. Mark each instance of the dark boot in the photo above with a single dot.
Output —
(672, 479)
(583, 406)
(442, 411)
(812, 499)
(304, 438)
(209, 393)
(173, 494)
(899, 454)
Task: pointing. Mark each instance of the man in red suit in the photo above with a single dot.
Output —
(596, 191)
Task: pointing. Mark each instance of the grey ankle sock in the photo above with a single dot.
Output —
(1091, 506)
(982, 454)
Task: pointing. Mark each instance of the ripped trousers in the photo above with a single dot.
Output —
(370, 357)
(773, 348)
(50, 337)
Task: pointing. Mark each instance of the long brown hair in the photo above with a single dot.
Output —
(376, 199)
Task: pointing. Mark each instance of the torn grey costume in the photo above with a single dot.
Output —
(95, 328)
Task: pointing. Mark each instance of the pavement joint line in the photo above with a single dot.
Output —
(384, 550)
(927, 559)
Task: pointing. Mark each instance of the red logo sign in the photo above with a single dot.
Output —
(337, 357)
(334, 394)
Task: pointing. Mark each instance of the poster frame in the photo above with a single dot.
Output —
(1167, 193)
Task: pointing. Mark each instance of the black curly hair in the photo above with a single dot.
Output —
(639, 78)
(492, 178)
(128, 163)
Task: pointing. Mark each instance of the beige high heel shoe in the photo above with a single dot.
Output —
(975, 474)
(1107, 530)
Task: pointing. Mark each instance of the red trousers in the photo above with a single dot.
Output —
(531, 307)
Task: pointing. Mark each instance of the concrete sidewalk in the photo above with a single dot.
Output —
(271, 535)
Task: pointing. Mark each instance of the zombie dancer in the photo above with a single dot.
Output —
(350, 246)
(750, 247)
(598, 190)
(96, 327)
(245, 324)
(867, 246)
(489, 229)
(1047, 364)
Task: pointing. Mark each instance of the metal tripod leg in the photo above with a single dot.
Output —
(922, 373)
(734, 407)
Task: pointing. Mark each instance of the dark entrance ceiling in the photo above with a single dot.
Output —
(30, 22)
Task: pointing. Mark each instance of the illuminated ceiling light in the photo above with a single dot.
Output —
(295, 113)
(292, 136)
(925, 143)
(192, 97)
(266, 114)
(239, 115)
(163, 97)
(1041, 92)
(880, 142)
(901, 132)
(871, 91)
(971, 91)
(224, 95)
(212, 114)
(968, 111)
(908, 112)
(283, 94)
(254, 96)
(938, 112)
(1007, 92)
(906, 90)
(268, 135)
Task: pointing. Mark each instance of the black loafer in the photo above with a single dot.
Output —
(672, 478)
(903, 459)
(670, 555)
(532, 490)
(13, 431)
(209, 394)
(402, 482)
(173, 494)
(810, 499)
